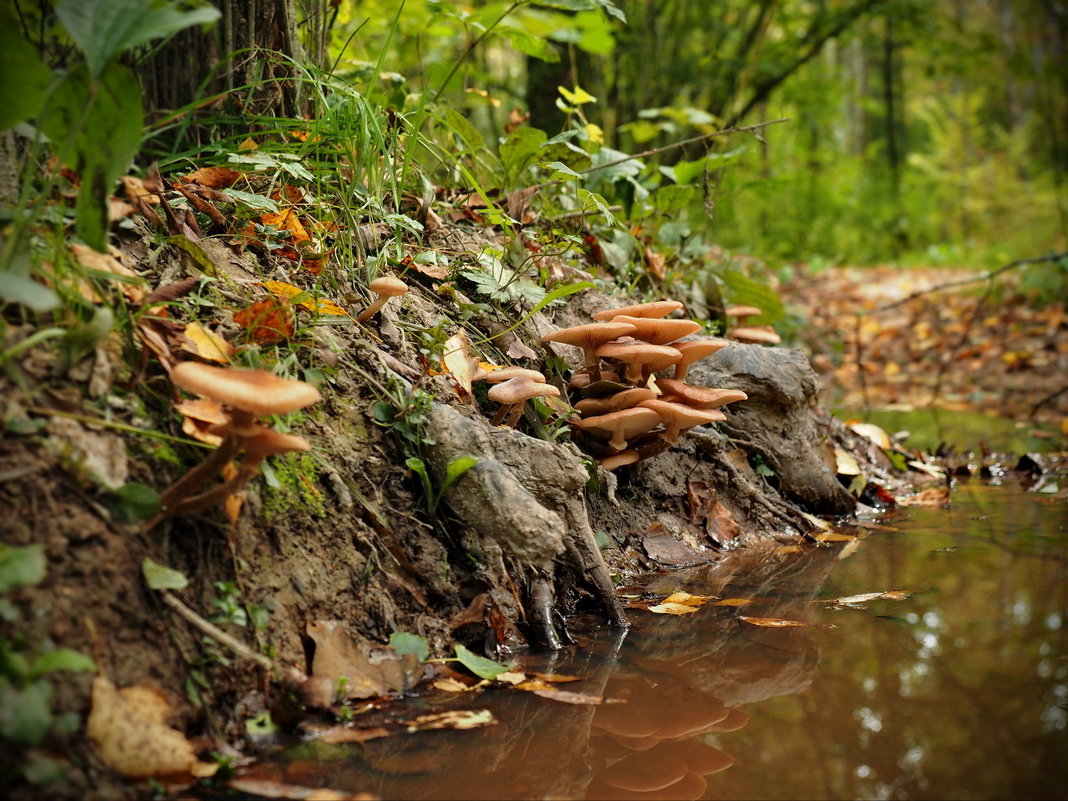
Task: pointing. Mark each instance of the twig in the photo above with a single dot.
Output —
(1043, 401)
(215, 632)
(985, 276)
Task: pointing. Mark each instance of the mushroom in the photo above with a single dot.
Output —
(626, 399)
(694, 350)
(507, 373)
(656, 309)
(742, 313)
(589, 337)
(513, 394)
(755, 335)
(659, 332)
(619, 460)
(699, 397)
(641, 358)
(245, 395)
(677, 418)
(620, 426)
(385, 288)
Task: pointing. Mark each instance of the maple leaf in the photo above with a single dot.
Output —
(268, 321)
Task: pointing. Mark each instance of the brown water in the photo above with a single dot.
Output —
(959, 691)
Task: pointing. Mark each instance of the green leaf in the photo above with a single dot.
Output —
(104, 29)
(520, 148)
(463, 128)
(63, 659)
(744, 291)
(160, 577)
(135, 502)
(586, 198)
(479, 665)
(561, 172)
(21, 566)
(456, 468)
(252, 201)
(418, 466)
(26, 714)
(404, 642)
(96, 127)
(530, 45)
(25, 82)
(16, 288)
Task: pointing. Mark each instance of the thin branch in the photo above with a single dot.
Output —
(215, 632)
(985, 276)
(471, 47)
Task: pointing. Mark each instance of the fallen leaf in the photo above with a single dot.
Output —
(672, 609)
(458, 362)
(206, 344)
(686, 599)
(734, 602)
(269, 788)
(519, 350)
(351, 667)
(832, 536)
(786, 549)
(459, 720)
(268, 321)
(655, 262)
(873, 433)
(937, 496)
(280, 289)
(213, 177)
(845, 464)
(512, 677)
(129, 729)
(771, 622)
(565, 697)
(351, 734)
(447, 684)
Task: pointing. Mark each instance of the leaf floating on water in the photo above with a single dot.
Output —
(785, 549)
(672, 609)
(938, 497)
(352, 734)
(833, 536)
(459, 720)
(565, 697)
(479, 665)
(771, 622)
(733, 602)
(447, 684)
(512, 677)
(686, 599)
(269, 788)
(556, 678)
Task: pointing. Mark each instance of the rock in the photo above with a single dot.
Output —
(778, 421)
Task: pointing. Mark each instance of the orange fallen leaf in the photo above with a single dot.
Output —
(733, 602)
(206, 344)
(129, 728)
(280, 289)
(213, 177)
(267, 321)
(832, 536)
(771, 622)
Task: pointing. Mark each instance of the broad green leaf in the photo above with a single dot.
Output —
(21, 566)
(26, 714)
(63, 659)
(96, 127)
(587, 198)
(161, 577)
(479, 665)
(16, 288)
(135, 502)
(463, 128)
(25, 81)
(520, 148)
(404, 642)
(561, 172)
(456, 468)
(529, 45)
(743, 290)
(104, 29)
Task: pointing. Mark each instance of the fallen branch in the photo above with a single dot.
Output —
(215, 632)
(985, 276)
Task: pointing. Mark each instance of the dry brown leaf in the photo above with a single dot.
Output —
(459, 719)
(832, 536)
(213, 177)
(771, 622)
(889, 595)
(129, 729)
(519, 350)
(349, 734)
(459, 362)
(268, 321)
(338, 656)
(936, 496)
(447, 684)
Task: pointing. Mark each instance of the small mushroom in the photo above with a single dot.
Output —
(656, 309)
(699, 397)
(626, 399)
(695, 350)
(755, 334)
(742, 313)
(677, 418)
(619, 460)
(641, 358)
(513, 394)
(589, 337)
(659, 332)
(508, 373)
(620, 426)
(385, 288)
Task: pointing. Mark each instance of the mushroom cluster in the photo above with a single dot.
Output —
(626, 413)
(242, 397)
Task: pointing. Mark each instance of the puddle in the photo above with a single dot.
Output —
(959, 690)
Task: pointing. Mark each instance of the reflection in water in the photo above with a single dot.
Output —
(959, 691)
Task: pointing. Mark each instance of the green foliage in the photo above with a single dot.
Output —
(453, 472)
(479, 665)
(405, 643)
(135, 502)
(161, 577)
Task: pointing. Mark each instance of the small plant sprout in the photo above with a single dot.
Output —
(384, 288)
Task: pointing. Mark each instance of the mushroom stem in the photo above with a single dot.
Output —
(371, 310)
(504, 411)
(198, 476)
(513, 417)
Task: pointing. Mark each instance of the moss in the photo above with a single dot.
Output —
(294, 486)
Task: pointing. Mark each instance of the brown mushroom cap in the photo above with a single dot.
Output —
(619, 460)
(508, 373)
(641, 358)
(519, 389)
(589, 337)
(755, 334)
(388, 285)
(258, 391)
(659, 332)
(742, 311)
(676, 417)
(656, 309)
(699, 397)
(626, 399)
(694, 350)
(645, 771)
(269, 442)
(621, 426)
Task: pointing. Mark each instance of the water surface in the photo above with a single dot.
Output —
(958, 691)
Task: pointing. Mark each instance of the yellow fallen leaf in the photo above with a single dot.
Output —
(785, 549)
(459, 362)
(733, 602)
(833, 536)
(686, 599)
(672, 609)
(206, 344)
(129, 729)
(280, 289)
(771, 622)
